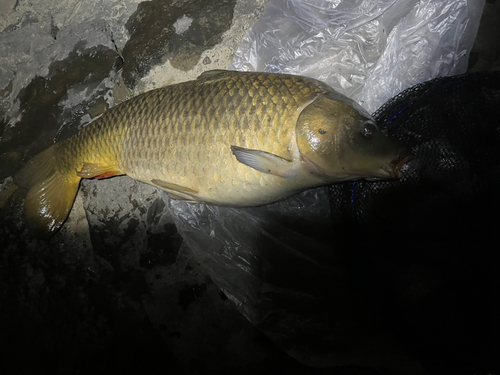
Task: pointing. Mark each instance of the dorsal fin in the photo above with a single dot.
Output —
(212, 73)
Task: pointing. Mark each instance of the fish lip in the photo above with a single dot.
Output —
(394, 168)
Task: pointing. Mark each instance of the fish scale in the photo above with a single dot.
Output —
(197, 141)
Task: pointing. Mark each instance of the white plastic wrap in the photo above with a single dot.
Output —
(368, 50)
(280, 263)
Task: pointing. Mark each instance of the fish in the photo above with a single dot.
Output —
(227, 138)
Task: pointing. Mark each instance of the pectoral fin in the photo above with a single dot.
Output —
(262, 161)
(176, 191)
(98, 170)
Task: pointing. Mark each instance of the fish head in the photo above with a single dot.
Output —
(338, 140)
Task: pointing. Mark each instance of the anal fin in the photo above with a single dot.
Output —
(98, 170)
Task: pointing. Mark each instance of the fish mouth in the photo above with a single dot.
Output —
(395, 168)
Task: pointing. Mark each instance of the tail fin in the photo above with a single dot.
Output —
(51, 192)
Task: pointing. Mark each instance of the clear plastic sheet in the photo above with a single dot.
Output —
(280, 263)
(239, 246)
(368, 50)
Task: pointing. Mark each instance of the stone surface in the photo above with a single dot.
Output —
(51, 107)
(155, 38)
(32, 37)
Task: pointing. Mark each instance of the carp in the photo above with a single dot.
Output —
(227, 138)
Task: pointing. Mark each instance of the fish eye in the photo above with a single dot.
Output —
(322, 131)
(368, 129)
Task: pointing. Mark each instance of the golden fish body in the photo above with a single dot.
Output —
(227, 138)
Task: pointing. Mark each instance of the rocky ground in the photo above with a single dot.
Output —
(117, 290)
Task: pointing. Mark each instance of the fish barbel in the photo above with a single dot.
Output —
(227, 138)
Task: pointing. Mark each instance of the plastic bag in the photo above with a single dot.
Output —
(280, 263)
(368, 50)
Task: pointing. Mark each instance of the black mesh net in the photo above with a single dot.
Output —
(431, 237)
(452, 127)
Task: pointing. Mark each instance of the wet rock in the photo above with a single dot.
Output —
(42, 104)
(176, 30)
(128, 224)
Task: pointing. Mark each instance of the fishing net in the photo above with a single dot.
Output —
(452, 127)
